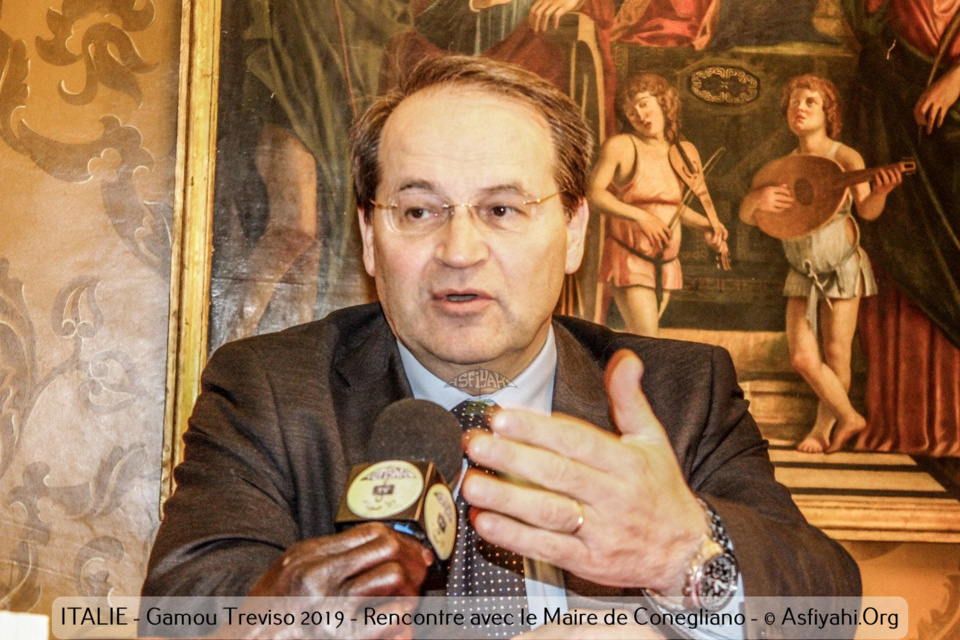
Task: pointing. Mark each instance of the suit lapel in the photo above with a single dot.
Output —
(369, 376)
(578, 390)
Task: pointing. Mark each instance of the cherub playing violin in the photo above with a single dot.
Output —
(639, 184)
(829, 271)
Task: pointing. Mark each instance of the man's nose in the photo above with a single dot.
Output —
(462, 242)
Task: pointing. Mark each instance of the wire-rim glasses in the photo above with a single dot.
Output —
(416, 213)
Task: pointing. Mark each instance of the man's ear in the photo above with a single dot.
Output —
(366, 235)
(577, 235)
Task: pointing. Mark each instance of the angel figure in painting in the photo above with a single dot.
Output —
(829, 271)
(638, 184)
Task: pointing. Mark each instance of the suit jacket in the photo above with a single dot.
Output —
(282, 417)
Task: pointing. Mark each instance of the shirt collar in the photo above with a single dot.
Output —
(531, 390)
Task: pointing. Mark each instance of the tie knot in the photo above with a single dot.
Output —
(474, 413)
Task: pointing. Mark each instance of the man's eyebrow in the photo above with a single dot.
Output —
(425, 185)
(422, 185)
(510, 187)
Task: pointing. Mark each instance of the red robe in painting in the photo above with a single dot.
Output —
(533, 51)
(921, 23)
(665, 23)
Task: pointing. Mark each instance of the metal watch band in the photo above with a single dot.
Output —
(712, 575)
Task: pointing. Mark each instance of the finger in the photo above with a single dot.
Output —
(923, 115)
(661, 239)
(303, 565)
(558, 549)
(543, 509)
(564, 435)
(920, 110)
(343, 542)
(546, 13)
(536, 16)
(890, 178)
(557, 11)
(391, 548)
(386, 579)
(941, 114)
(631, 411)
(542, 467)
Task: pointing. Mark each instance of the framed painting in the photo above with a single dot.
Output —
(268, 235)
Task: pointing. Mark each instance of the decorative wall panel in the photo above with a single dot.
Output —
(88, 122)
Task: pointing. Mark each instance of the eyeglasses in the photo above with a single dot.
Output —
(419, 213)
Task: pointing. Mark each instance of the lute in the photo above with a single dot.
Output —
(818, 186)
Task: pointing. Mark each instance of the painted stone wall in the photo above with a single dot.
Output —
(88, 99)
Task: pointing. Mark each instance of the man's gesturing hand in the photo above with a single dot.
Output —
(640, 523)
(367, 560)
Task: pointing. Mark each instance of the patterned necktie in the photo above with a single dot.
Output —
(491, 575)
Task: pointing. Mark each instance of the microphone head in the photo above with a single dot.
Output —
(413, 429)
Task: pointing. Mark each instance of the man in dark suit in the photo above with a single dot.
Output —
(603, 487)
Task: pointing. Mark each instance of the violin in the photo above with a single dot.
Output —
(686, 163)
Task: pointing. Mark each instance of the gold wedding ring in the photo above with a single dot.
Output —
(579, 518)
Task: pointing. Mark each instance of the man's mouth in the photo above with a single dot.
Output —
(463, 303)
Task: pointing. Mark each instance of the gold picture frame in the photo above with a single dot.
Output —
(192, 227)
(928, 518)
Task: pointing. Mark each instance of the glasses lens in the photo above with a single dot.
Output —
(416, 214)
(508, 212)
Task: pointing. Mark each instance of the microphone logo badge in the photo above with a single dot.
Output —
(440, 520)
(385, 489)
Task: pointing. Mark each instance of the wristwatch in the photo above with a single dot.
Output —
(712, 574)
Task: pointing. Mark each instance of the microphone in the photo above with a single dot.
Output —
(414, 447)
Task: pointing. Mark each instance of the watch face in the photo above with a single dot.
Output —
(718, 582)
